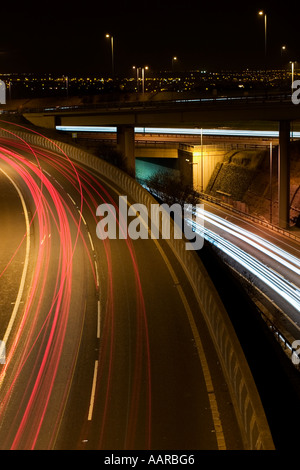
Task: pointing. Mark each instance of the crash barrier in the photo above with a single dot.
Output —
(248, 407)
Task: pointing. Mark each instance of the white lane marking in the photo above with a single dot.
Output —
(80, 213)
(98, 320)
(97, 275)
(25, 268)
(201, 354)
(91, 241)
(91, 408)
(58, 183)
(71, 199)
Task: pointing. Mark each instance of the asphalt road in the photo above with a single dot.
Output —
(269, 260)
(101, 354)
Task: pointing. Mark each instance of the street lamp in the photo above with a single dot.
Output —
(66, 79)
(142, 69)
(9, 89)
(137, 76)
(174, 59)
(293, 72)
(200, 169)
(261, 13)
(282, 50)
(202, 163)
(143, 78)
(271, 176)
(112, 51)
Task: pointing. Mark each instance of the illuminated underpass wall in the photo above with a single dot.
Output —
(150, 161)
(197, 163)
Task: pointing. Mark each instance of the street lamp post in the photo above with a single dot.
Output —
(143, 78)
(293, 72)
(174, 59)
(66, 85)
(202, 163)
(142, 69)
(137, 76)
(261, 13)
(271, 182)
(112, 53)
(282, 50)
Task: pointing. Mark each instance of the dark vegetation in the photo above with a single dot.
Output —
(171, 189)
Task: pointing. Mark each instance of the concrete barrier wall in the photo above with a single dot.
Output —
(246, 400)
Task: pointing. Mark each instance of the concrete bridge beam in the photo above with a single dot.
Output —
(126, 146)
(284, 174)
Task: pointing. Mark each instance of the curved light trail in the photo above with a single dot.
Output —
(277, 254)
(52, 332)
(38, 338)
(25, 268)
(96, 193)
(269, 276)
(72, 287)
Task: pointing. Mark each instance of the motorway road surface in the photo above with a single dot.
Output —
(100, 351)
(270, 260)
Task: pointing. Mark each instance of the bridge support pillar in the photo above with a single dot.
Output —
(284, 174)
(126, 146)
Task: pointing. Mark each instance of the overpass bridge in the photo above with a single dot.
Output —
(192, 113)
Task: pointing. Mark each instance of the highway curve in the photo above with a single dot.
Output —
(107, 347)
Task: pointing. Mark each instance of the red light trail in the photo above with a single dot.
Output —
(37, 342)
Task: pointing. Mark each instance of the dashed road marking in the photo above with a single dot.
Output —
(92, 399)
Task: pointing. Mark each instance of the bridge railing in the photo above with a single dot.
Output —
(248, 407)
(112, 106)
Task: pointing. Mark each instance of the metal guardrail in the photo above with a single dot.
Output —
(284, 342)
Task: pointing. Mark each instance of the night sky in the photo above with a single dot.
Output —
(69, 37)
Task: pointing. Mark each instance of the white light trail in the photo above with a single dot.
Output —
(277, 254)
(275, 281)
(182, 131)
